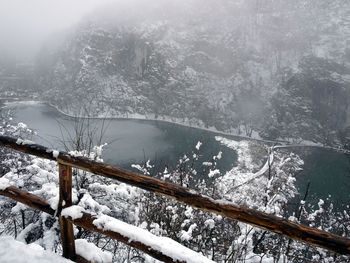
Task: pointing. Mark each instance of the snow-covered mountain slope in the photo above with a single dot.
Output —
(271, 66)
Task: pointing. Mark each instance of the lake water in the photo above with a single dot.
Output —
(328, 172)
(135, 141)
(128, 141)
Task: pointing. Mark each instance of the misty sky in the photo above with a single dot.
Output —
(24, 24)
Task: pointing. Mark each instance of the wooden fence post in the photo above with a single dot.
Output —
(65, 200)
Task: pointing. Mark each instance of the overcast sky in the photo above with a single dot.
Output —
(24, 24)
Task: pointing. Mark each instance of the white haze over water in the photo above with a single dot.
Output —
(25, 24)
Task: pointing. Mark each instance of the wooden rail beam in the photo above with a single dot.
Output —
(28, 199)
(86, 221)
(187, 196)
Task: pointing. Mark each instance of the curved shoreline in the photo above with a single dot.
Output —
(141, 118)
(282, 144)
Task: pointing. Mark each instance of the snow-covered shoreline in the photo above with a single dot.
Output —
(176, 121)
(141, 117)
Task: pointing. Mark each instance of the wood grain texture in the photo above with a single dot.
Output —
(28, 199)
(65, 200)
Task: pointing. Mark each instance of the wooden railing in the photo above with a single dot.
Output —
(184, 195)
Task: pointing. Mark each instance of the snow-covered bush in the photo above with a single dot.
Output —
(267, 187)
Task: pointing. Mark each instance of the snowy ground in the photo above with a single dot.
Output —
(267, 187)
(247, 183)
(14, 251)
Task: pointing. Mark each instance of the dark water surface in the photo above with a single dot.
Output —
(328, 173)
(129, 141)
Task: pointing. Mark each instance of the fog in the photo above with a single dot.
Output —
(263, 83)
(24, 25)
(227, 63)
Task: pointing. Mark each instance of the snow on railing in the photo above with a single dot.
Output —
(69, 215)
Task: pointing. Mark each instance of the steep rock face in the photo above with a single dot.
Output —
(313, 103)
(272, 66)
(161, 67)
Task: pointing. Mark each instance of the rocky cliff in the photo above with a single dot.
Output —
(275, 67)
